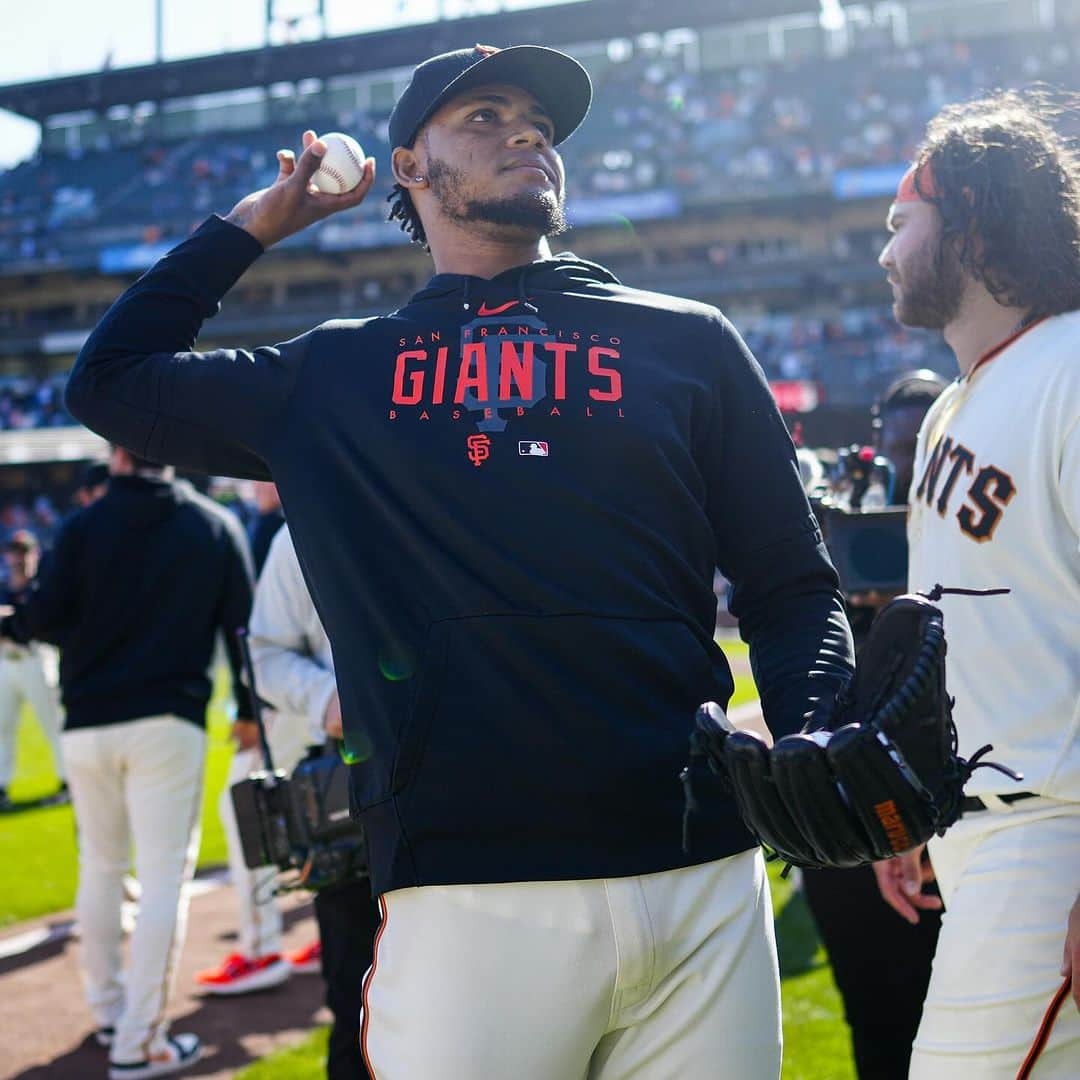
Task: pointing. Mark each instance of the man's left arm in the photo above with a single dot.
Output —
(785, 591)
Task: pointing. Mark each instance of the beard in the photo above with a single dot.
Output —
(535, 213)
(932, 289)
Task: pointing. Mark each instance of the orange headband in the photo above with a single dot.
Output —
(907, 192)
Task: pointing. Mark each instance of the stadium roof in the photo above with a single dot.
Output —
(598, 20)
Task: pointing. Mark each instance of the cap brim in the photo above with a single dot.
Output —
(556, 80)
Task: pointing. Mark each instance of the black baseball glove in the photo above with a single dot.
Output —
(877, 776)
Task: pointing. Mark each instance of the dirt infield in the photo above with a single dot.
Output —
(47, 1030)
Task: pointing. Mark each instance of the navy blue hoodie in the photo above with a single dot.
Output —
(135, 593)
(508, 498)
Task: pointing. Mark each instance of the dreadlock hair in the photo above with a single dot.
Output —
(403, 209)
(1007, 186)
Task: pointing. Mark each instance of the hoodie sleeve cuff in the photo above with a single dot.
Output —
(215, 257)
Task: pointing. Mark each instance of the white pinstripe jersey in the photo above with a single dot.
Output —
(995, 502)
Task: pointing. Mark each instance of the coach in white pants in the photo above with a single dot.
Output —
(139, 585)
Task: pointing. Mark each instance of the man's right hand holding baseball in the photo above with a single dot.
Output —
(291, 203)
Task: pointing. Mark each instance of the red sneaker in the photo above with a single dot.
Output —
(241, 974)
(308, 960)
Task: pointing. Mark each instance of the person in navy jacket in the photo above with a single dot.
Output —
(521, 638)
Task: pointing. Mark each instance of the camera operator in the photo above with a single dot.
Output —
(295, 673)
(846, 904)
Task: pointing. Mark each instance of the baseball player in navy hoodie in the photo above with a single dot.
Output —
(508, 498)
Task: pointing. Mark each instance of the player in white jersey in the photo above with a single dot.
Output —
(986, 248)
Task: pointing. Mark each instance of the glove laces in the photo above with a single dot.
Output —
(952, 808)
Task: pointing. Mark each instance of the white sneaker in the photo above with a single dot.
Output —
(180, 1052)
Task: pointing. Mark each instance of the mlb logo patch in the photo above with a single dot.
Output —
(532, 448)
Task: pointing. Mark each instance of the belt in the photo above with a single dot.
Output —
(973, 802)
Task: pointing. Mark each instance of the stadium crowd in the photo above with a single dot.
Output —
(656, 124)
(26, 402)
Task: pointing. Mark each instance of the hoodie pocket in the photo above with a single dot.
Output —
(425, 703)
(532, 723)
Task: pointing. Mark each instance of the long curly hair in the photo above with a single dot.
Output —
(1006, 182)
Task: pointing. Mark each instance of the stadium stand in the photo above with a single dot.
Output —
(747, 162)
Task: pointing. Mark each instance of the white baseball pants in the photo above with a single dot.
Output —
(1008, 877)
(669, 976)
(134, 782)
(22, 678)
(260, 916)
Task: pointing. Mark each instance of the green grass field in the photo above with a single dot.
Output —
(41, 844)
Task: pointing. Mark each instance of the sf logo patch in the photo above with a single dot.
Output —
(479, 449)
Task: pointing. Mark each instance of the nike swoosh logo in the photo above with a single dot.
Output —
(485, 310)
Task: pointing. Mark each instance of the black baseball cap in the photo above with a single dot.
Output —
(556, 80)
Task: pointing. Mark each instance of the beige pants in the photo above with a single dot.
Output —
(670, 976)
(138, 782)
(260, 916)
(1008, 878)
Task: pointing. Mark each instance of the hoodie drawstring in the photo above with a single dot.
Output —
(468, 286)
(522, 298)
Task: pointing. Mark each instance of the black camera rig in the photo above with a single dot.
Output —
(299, 823)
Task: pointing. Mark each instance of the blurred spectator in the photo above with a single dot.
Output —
(29, 510)
(29, 402)
(94, 484)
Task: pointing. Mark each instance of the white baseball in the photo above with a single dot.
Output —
(342, 165)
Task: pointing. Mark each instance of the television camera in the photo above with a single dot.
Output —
(299, 823)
